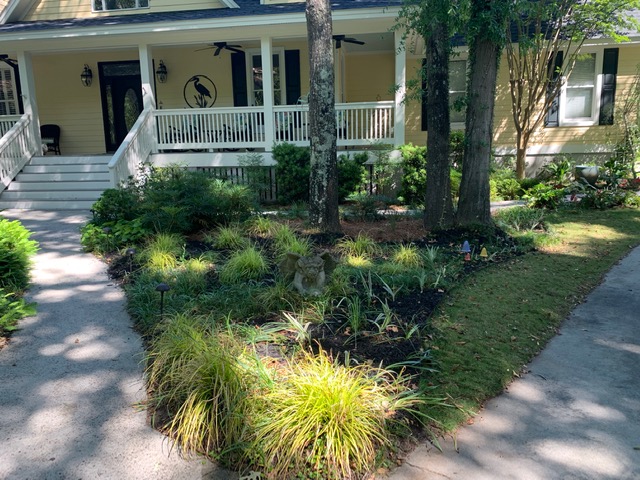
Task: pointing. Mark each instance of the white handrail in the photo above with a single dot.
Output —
(7, 122)
(17, 147)
(134, 150)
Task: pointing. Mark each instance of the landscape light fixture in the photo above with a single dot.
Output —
(162, 288)
(86, 77)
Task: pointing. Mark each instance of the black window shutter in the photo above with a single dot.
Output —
(292, 74)
(608, 94)
(423, 89)
(553, 114)
(239, 79)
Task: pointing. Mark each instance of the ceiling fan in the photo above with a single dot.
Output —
(219, 46)
(343, 38)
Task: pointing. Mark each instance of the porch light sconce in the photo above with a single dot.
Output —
(86, 77)
(161, 72)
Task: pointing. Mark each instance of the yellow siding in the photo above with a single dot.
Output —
(369, 77)
(63, 100)
(58, 9)
(504, 130)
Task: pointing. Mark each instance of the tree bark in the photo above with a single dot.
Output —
(522, 141)
(475, 196)
(438, 213)
(323, 179)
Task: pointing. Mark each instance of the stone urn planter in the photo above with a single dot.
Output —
(586, 173)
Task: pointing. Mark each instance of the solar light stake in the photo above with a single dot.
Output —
(130, 253)
(162, 287)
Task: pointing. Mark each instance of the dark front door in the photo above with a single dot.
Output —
(121, 90)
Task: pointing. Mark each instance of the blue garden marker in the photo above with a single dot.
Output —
(465, 247)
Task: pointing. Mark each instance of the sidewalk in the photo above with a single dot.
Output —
(71, 378)
(575, 416)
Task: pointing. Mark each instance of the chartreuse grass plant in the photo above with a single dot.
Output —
(191, 277)
(262, 226)
(247, 264)
(286, 241)
(197, 375)
(361, 246)
(358, 261)
(162, 251)
(278, 296)
(407, 256)
(322, 419)
(228, 238)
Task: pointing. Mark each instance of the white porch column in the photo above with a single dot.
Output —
(28, 87)
(401, 78)
(146, 77)
(267, 90)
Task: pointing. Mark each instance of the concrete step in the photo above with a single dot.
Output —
(36, 186)
(65, 168)
(12, 196)
(80, 160)
(62, 177)
(47, 204)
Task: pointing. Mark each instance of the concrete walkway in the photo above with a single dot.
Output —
(71, 378)
(576, 415)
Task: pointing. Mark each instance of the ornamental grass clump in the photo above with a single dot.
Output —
(361, 246)
(162, 252)
(326, 420)
(195, 374)
(286, 241)
(228, 238)
(247, 264)
(407, 256)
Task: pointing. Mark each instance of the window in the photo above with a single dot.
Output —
(8, 96)
(256, 93)
(107, 5)
(580, 96)
(457, 90)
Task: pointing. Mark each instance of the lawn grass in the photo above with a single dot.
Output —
(497, 320)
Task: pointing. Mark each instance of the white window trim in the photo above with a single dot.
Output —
(14, 89)
(460, 57)
(105, 10)
(249, 54)
(597, 92)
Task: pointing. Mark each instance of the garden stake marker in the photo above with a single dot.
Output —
(466, 249)
(483, 253)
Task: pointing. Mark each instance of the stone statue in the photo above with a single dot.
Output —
(309, 273)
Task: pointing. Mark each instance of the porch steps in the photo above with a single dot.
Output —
(58, 183)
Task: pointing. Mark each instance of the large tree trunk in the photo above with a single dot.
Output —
(475, 196)
(522, 141)
(323, 180)
(438, 213)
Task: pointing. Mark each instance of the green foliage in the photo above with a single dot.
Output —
(350, 174)
(544, 196)
(359, 246)
(407, 256)
(230, 238)
(256, 175)
(111, 236)
(196, 375)
(16, 250)
(286, 241)
(519, 219)
(162, 252)
(12, 309)
(506, 185)
(261, 226)
(117, 204)
(603, 198)
(292, 171)
(247, 264)
(328, 419)
(559, 170)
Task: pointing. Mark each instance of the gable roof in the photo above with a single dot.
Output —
(246, 8)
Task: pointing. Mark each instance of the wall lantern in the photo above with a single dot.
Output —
(86, 77)
(161, 72)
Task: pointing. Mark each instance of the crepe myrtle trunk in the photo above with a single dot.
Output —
(438, 213)
(323, 178)
(474, 204)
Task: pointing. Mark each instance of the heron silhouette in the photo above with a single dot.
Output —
(201, 89)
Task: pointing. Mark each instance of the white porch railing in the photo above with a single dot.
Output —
(358, 124)
(134, 150)
(7, 122)
(17, 147)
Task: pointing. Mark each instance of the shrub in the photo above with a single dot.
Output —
(111, 236)
(247, 264)
(544, 196)
(350, 174)
(12, 309)
(414, 174)
(292, 172)
(602, 199)
(520, 219)
(16, 250)
(116, 204)
(328, 420)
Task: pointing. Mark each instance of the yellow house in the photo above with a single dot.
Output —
(128, 81)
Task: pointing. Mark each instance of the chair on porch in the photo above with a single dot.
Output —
(50, 135)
